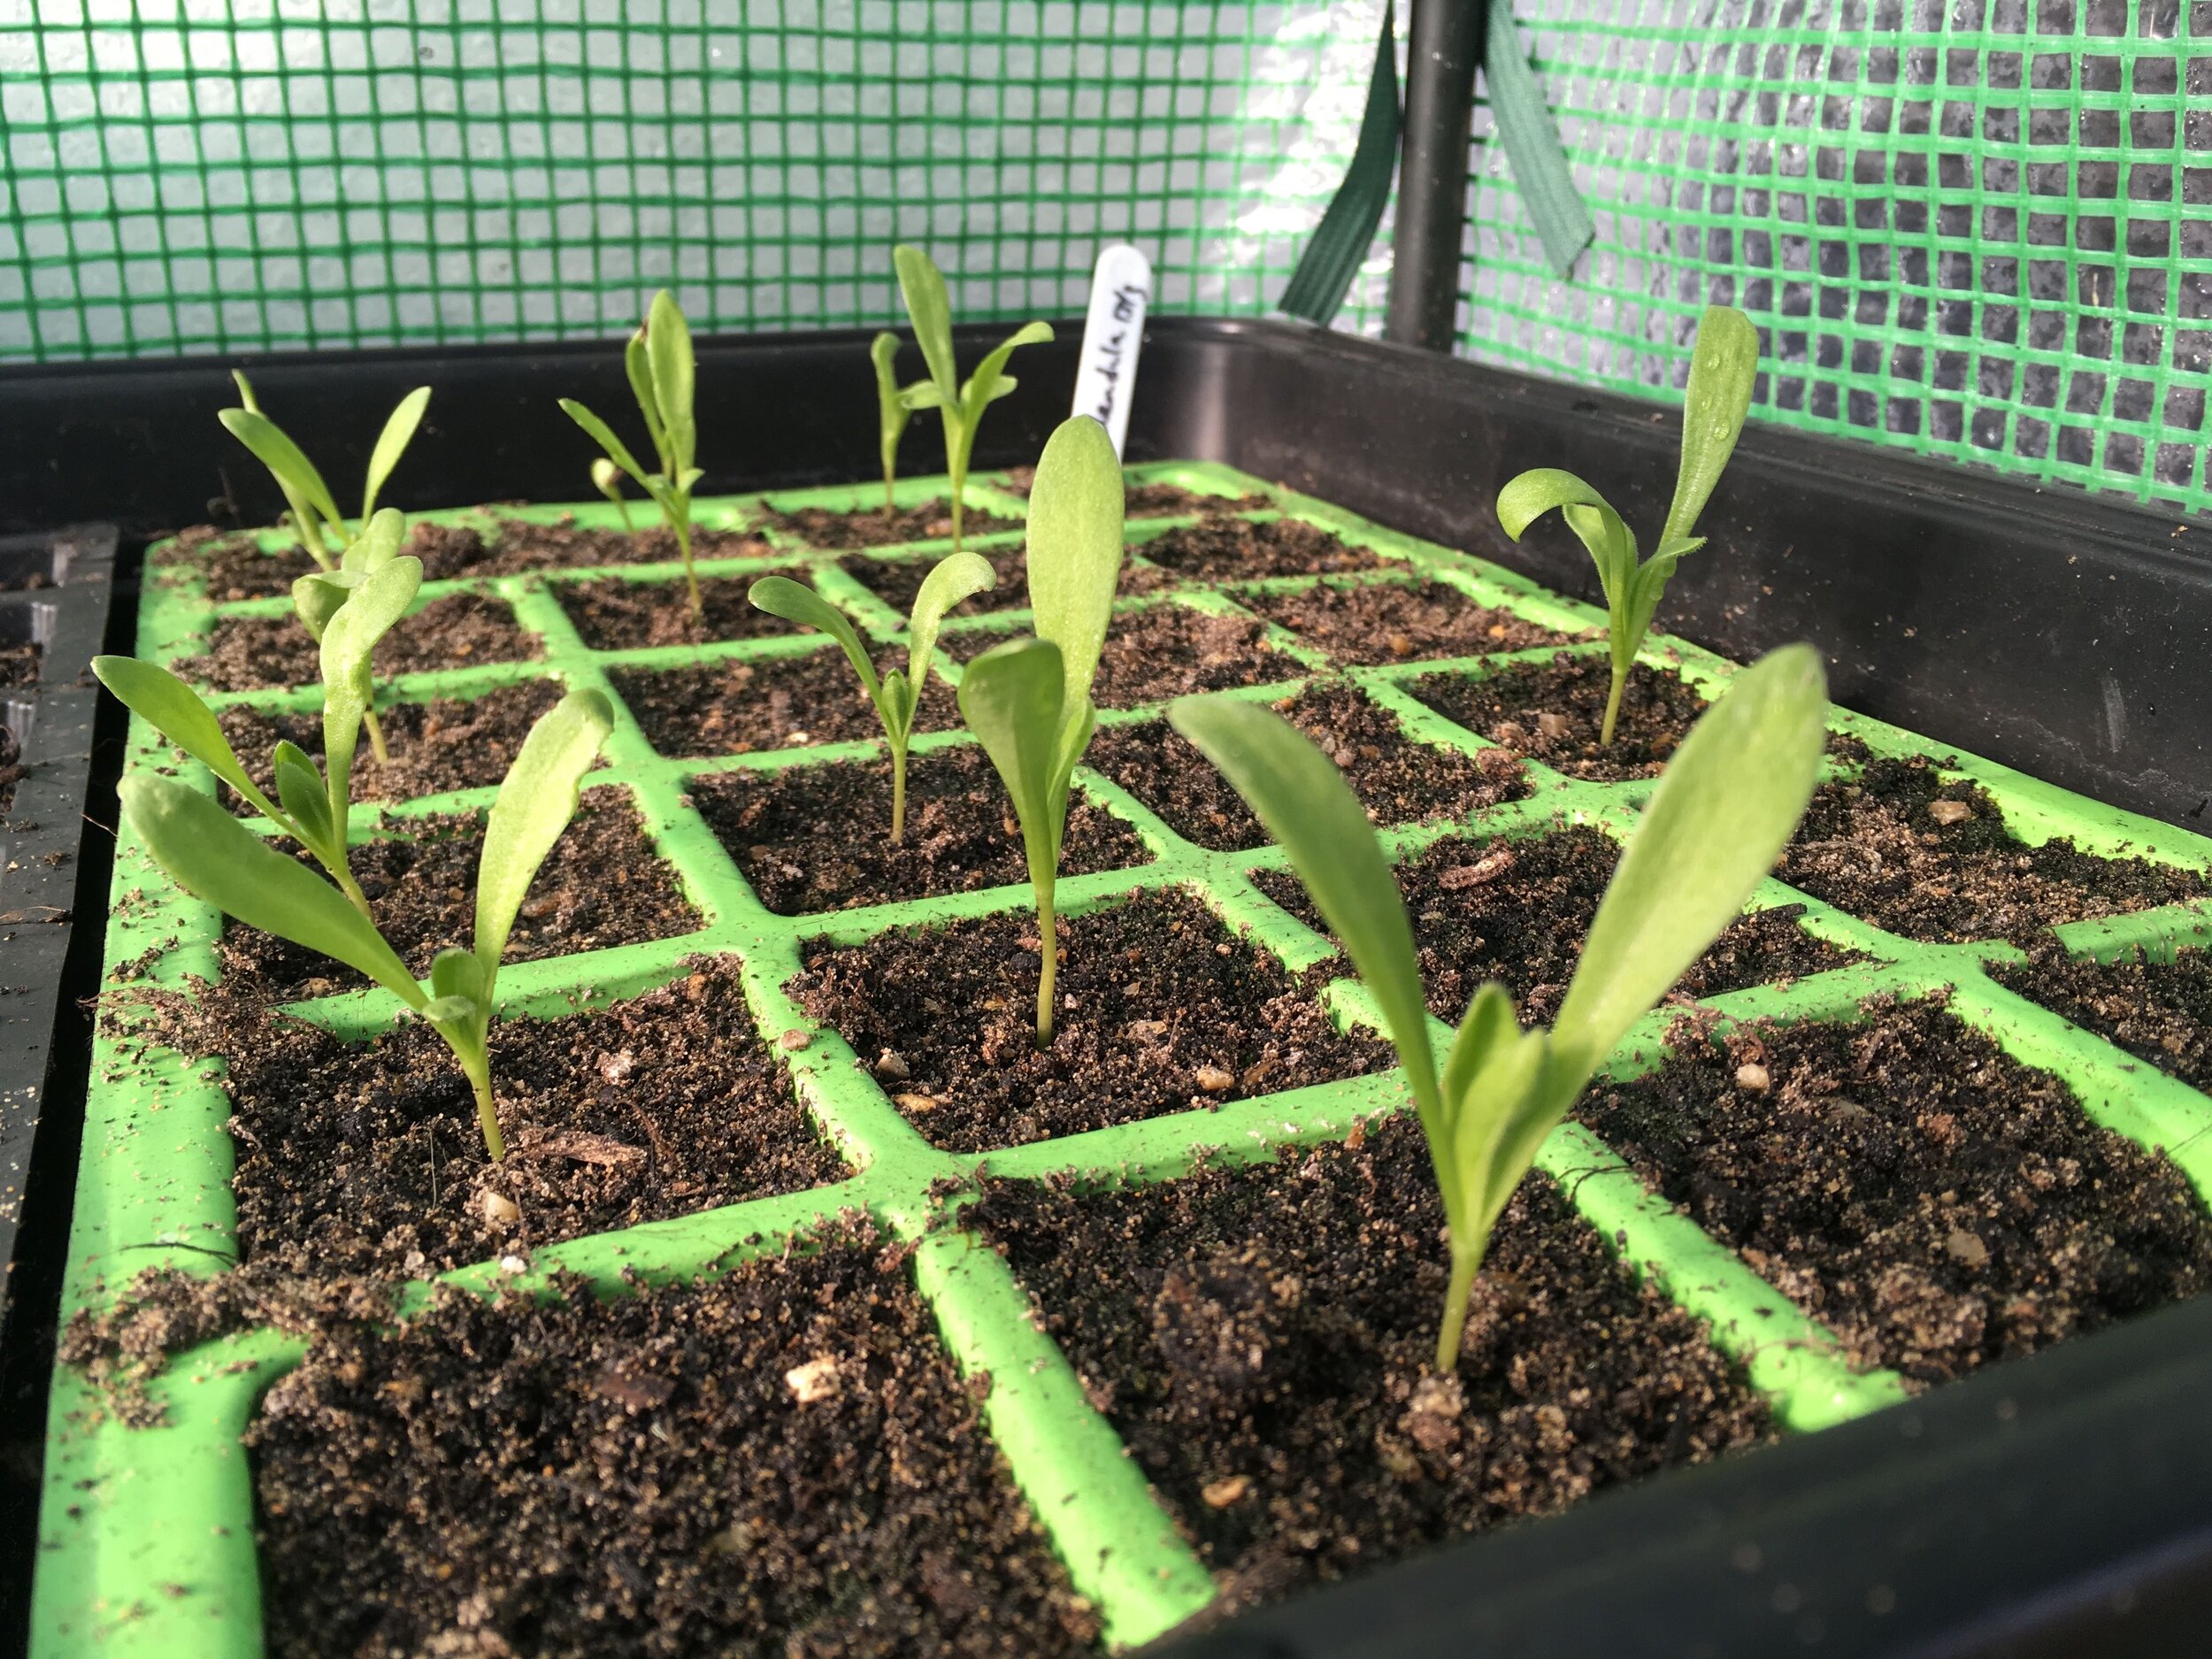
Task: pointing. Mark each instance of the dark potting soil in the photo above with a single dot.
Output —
(733, 707)
(1518, 912)
(11, 766)
(19, 666)
(1399, 780)
(1930, 860)
(523, 546)
(1161, 1009)
(871, 526)
(641, 1478)
(1931, 1200)
(233, 564)
(446, 743)
(1390, 622)
(897, 580)
(1263, 1338)
(601, 885)
(367, 1158)
(1242, 550)
(1165, 651)
(2158, 1011)
(818, 838)
(612, 614)
(454, 631)
(1553, 713)
(1148, 500)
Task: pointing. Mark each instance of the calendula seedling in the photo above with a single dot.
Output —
(348, 617)
(1722, 366)
(216, 858)
(892, 413)
(960, 405)
(317, 597)
(1029, 702)
(663, 374)
(606, 478)
(313, 510)
(1716, 823)
(896, 695)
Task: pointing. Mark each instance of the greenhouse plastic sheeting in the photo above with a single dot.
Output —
(1971, 229)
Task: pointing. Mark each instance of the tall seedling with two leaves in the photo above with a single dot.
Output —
(892, 414)
(313, 509)
(663, 374)
(218, 860)
(1029, 702)
(959, 404)
(897, 696)
(1724, 365)
(312, 804)
(1722, 810)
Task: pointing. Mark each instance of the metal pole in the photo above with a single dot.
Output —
(1442, 47)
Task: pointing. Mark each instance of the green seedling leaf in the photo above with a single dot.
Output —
(1724, 368)
(990, 382)
(300, 786)
(602, 434)
(177, 711)
(1720, 816)
(922, 285)
(1075, 548)
(535, 803)
(391, 443)
(293, 471)
(637, 364)
(891, 412)
(1011, 697)
(922, 395)
(674, 373)
(1724, 365)
(953, 579)
(796, 602)
(378, 543)
(214, 857)
(348, 641)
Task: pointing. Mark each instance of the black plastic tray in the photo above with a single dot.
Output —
(2056, 1506)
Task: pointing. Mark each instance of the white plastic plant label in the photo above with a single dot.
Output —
(1106, 375)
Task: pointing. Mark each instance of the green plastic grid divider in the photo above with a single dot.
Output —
(130, 1509)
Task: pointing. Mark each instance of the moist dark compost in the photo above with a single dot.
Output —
(612, 614)
(1397, 779)
(871, 526)
(453, 631)
(601, 885)
(19, 666)
(897, 580)
(2158, 1011)
(641, 1478)
(1262, 1339)
(446, 743)
(734, 707)
(1554, 711)
(1908, 850)
(1163, 1010)
(1165, 651)
(11, 766)
(1241, 549)
(367, 1158)
(818, 838)
(524, 546)
(1936, 1205)
(1519, 912)
(1390, 622)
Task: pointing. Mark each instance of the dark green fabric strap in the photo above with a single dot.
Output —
(1525, 128)
(1346, 232)
(1532, 144)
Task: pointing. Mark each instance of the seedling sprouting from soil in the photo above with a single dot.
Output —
(961, 404)
(1029, 702)
(1717, 821)
(218, 860)
(348, 617)
(662, 373)
(1723, 366)
(892, 413)
(317, 597)
(313, 509)
(606, 478)
(896, 695)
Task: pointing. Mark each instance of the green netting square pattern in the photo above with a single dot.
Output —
(191, 175)
(1976, 230)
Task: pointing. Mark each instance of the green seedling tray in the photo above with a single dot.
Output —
(147, 1535)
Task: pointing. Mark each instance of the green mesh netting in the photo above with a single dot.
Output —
(1974, 229)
